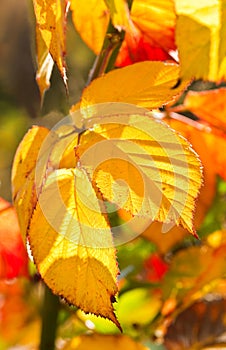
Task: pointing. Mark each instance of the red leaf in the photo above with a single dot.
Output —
(13, 256)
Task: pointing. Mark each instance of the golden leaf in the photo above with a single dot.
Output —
(119, 13)
(71, 243)
(91, 21)
(50, 39)
(23, 175)
(161, 171)
(146, 84)
(200, 37)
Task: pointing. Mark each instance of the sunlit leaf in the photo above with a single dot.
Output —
(71, 243)
(91, 21)
(119, 13)
(13, 256)
(209, 106)
(50, 39)
(148, 37)
(146, 84)
(97, 341)
(160, 169)
(23, 175)
(200, 37)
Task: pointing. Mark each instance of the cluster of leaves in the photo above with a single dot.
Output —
(164, 278)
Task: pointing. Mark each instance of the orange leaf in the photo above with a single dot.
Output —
(148, 37)
(13, 256)
(209, 106)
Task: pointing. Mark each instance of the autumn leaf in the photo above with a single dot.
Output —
(50, 39)
(147, 36)
(198, 326)
(13, 256)
(152, 87)
(23, 175)
(72, 245)
(200, 37)
(119, 13)
(209, 106)
(97, 341)
(79, 246)
(67, 227)
(91, 21)
(161, 171)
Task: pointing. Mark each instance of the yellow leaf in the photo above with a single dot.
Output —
(50, 39)
(23, 175)
(91, 21)
(119, 13)
(200, 37)
(161, 171)
(147, 35)
(97, 342)
(71, 243)
(146, 84)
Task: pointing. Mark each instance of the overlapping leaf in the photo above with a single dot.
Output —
(200, 37)
(72, 245)
(161, 171)
(23, 175)
(146, 84)
(67, 228)
(147, 36)
(70, 240)
(50, 39)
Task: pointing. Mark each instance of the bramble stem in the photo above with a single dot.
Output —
(51, 305)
